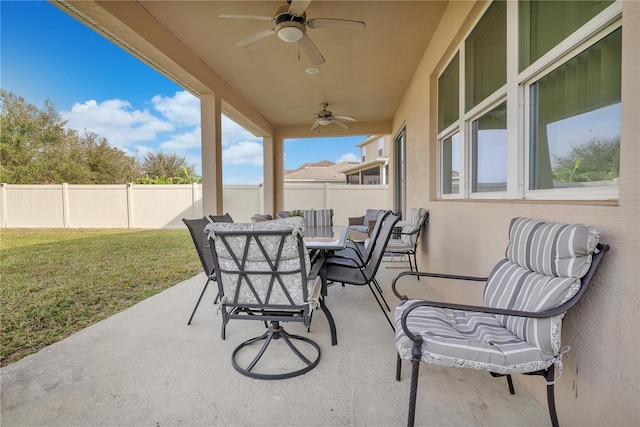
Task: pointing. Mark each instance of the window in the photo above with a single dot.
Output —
(363, 154)
(400, 172)
(486, 55)
(536, 118)
(575, 120)
(380, 147)
(544, 24)
(489, 151)
(451, 164)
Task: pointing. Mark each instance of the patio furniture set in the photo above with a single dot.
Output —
(277, 271)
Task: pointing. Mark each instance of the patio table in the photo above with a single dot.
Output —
(322, 241)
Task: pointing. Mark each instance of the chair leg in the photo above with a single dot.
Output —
(398, 367)
(415, 367)
(198, 303)
(510, 382)
(332, 324)
(381, 307)
(551, 397)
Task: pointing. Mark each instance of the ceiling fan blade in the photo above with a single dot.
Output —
(347, 118)
(342, 24)
(297, 7)
(255, 37)
(339, 123)
(315, 125)
(256, 17)
(311, 50)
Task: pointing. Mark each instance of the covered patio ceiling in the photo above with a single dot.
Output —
(265, 86)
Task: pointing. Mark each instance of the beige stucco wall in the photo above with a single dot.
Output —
(600, 382)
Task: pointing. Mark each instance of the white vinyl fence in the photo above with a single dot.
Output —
(164, 206)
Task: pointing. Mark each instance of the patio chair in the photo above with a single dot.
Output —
(318, 217)
(548, 267)
(361, 275)
(407, 240)
(283, 214)
(364, 224)
(264, 274)
(358, 253)
(221, 218)
(200, 241)
(261, 217)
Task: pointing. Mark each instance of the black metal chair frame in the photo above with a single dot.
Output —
(547, 373)
(265, 311)
(201, 242)
(365, 272)
(221, 218)
(412, 251)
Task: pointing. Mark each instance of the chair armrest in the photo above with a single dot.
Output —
(372, 223)
(357, 220)
(426, 274)
(315, 268)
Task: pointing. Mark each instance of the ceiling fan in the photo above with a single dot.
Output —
(291, 26)
(325, 117)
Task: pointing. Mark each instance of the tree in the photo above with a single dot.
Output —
(167, 169)
(597, 160)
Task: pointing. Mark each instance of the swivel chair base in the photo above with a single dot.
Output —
(276, 332)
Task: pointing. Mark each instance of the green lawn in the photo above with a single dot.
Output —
(56, 281)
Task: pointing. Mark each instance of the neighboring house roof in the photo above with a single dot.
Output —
(324, 171)
(367, 165)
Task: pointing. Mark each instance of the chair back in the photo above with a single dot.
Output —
(263, 266)
(382, 215)
(221, 218)
(543, 268)
(415, 222)
(196, 228)
(318, 217)
(380, 244)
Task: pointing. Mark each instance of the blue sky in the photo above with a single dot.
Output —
(98, 87)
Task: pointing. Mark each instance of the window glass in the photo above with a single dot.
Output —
(575, 120)
(489, 151)
(451, 164)
(486, 55)
(544, 24)
(449, 94)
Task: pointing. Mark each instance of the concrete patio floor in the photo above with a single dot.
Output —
(145, 366)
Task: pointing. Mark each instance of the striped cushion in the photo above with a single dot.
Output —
(468, 340)
(544, 264)
(323, 217)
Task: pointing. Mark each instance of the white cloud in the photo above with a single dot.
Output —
(233, 133)
(243, 153)
(116, 121)
(181, 109)
(183, 141)
(349, 157)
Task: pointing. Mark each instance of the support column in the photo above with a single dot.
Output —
(273, 188)
(211, 128)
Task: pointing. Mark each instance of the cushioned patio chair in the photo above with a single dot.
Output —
(264, 273)
(200, 241)
(547, 268)
(365, 275)
(221, 218)
(318, 217)
(364, 224)
(261, 217)
(406, 242)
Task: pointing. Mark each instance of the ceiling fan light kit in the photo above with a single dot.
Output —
(326, 117)
(291, 26)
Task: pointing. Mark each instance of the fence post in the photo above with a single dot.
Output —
(130, 205)
(3, 195)
(65, 205)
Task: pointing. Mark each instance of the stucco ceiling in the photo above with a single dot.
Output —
(365, 75)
